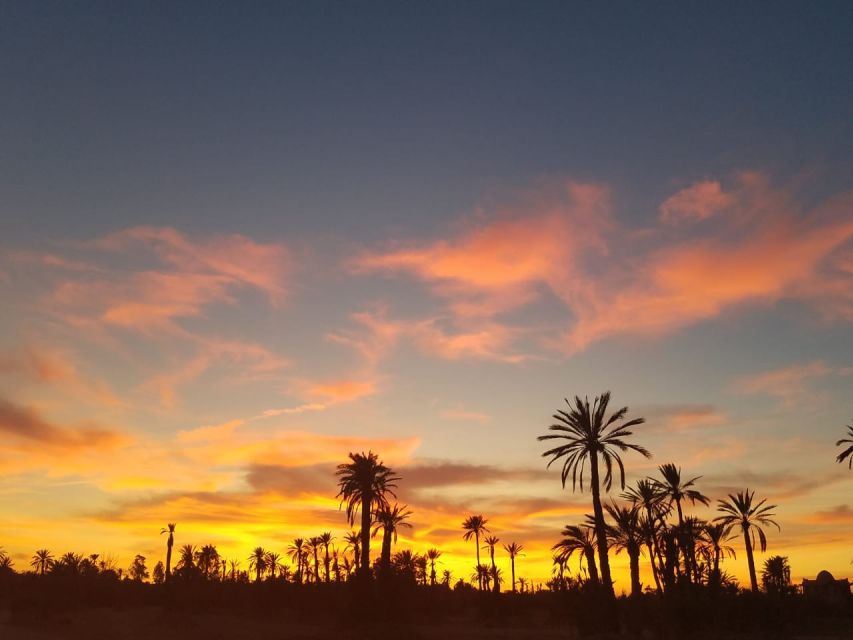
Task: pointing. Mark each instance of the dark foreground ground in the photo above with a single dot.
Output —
(63, 607)
(156, 623)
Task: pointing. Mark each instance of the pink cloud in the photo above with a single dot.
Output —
(696, 202)
(792, 385)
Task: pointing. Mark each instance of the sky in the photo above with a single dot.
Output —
(239, 241)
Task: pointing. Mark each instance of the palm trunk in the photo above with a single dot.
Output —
(432, 573)
(634, 556)
(479, 573)
(651, 548)
(168, 559)
(600, 528)
(591, 567)
(316, 567)
(385, 559)
(512, 564)
(326, 563)
(496, 587)
(365, 536)
(752, 578)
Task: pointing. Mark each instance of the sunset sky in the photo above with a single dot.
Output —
(239, 242)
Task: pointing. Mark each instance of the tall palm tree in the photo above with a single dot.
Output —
(432, 555)
(847, 454)
(170, 541)
(475, 526)
(714, 548)
(353, 540)
(389, 519)
(626, 534)
(258, 562)
(296, 550)
(676, 490)
(314, 544)
(273, 562)
(588, 432)
(648, 496)
(742, 510)
(364, 483)
(514, 550)
(579, 538)
(41, 561)
(491, 543)
(326, 538)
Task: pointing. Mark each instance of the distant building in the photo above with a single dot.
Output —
(826, 587)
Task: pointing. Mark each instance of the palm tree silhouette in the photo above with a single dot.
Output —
(353, 540)
(581, 539)
(491, 541)
(432, 555)
(847, 454)
(626, 534)
(364, 483)
(474, 526)
(590, 433)
(170, 529)
(676, 490)
(740, 509)
(314, 544)
(647, 495)
(273, 561)
(388, 519)
(514, 550)
(326, 539)
(258, 562)
(714, 537)
(776, 575)
(297, 551)
(41, 561)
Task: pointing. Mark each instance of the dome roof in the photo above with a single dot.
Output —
(824, 577)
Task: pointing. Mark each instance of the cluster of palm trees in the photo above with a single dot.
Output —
(489, 577)
(650, 520)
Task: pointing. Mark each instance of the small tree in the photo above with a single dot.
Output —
(138, 571)
(158, 575)
(776, 575)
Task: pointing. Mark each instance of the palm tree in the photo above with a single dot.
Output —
(364, 483)
(258, 562)
(207, 560)
(647, 495)
(589, 433)
(170, 529)
(675, 490)
(388, 519)
(326, 539)
(776, 576)
(740, 509)
(847, 454)
(297, 551)
(581, 539)
(314, 545)
(353, 540)
(514, 550)
(273, 561)
(714, 537)
(432, 555)
(491, 542)
(626, 534)
(474, 526)
(42, 561)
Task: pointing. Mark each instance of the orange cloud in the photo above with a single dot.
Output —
(341, 390)
(760, 245)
